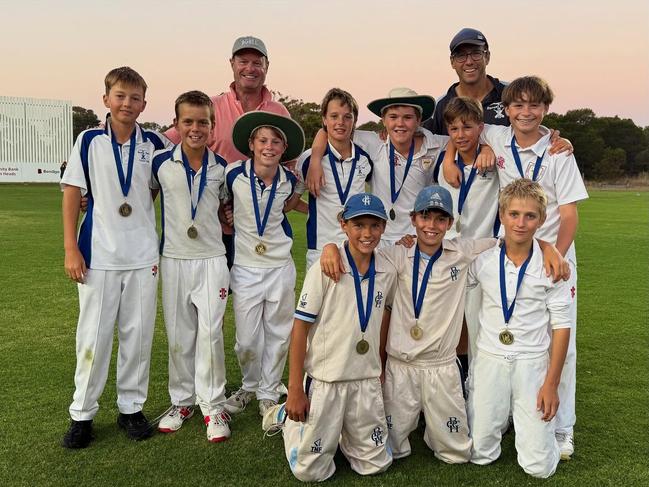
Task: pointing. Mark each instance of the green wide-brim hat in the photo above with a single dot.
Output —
(404, 96)
(248, 122)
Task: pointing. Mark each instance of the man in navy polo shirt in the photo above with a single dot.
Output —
(469, 58)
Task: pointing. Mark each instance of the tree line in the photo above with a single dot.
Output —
(606, 148)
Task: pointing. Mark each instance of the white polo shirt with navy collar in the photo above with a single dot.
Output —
(331, 354)
(278, 235)
(175, 203)
(559, 175)
(420, 175)
(322, 225)
(107, 240)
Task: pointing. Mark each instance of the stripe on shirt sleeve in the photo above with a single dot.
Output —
(304, 316)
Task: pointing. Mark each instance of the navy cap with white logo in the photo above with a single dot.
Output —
(434, 198)
(468, 36)
(362, 204)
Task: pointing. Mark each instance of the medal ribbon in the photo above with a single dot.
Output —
(261, 224)
(418, 297)
(125, 183)
(342, 195)
(394, 194)
(509, 310)
(519, 165)
(465, 186)
(201, 184)
(363, 314)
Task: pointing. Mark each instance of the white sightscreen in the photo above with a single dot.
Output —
(35, 137)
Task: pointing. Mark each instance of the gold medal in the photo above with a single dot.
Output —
(260, 248)
(506, 337)
(125, 209)
(192, 232)
(416, 332)
(362, 346)
(393, 214)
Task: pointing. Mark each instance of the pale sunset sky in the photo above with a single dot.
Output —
(594, 54)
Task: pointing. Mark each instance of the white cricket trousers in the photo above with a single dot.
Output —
(497, 385)
(194, 296)
(349, 413)
(566, 416)
(128, 297)
(311, 256)
(264, 303)
(434, 387)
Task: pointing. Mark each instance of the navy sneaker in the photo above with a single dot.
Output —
(79, 434)
(136, 425)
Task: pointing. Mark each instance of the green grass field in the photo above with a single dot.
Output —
(38, 319)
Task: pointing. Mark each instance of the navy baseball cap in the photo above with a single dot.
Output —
(362, 204)
(434, 198)
(468, 36)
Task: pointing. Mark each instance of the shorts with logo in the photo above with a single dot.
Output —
(434, 387)
(349, 413)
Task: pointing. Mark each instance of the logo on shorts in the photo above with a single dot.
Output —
(317, 446)
(377, 436)
(500, 162)
(154, 270)
(303, 300)
(143, 155)
(453, 424)
(388, 419)
(223, 293)
(378, 299)
(454, 273)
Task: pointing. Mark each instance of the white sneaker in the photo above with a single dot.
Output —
(265, 405)
(218, 428)
(175, 418)
(274, 419)
(238, 401)
(566, 444)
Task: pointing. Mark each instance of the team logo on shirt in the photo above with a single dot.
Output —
(377, 436)
(378, 299)
(426, 162)
(500, 162)
(573, 291)
(453, 424)
(223, 293)
(388, 419)
(143, 155)
(498, 108)
(317, 446)
(454, 273)
(303, 300)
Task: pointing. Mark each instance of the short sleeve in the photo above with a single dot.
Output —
(559, 300)
(309, 302)
(568, 183)
(74, 174)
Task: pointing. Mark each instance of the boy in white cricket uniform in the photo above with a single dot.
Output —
(526, 101)
(512, 371)
(403, 164)
(346, 168)
(195, 275)
(263, 275)
(337, 341)
(115, 258)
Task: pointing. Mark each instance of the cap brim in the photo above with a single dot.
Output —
(435, 207)
(355, 214)
(425, 102)
(248, 122)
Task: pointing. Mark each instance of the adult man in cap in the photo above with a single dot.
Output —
(247, 93)
(469, 58)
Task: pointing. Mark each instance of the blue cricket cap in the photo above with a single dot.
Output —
(362, 204)
(434, 198)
